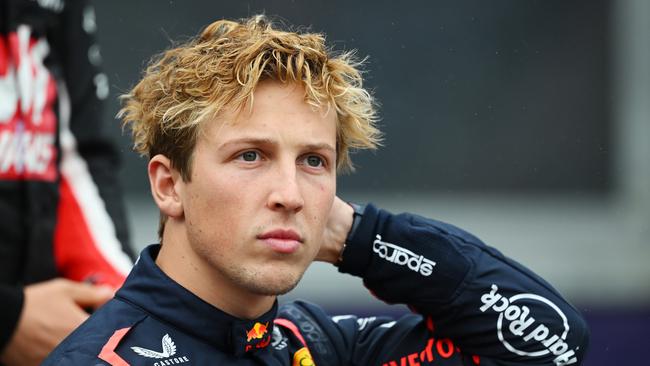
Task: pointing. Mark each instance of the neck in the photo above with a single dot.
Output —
(183, 265)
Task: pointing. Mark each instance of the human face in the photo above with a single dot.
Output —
(261, 188)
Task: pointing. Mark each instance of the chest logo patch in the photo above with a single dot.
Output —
(168, 349)
(257, 332)
(258, 336)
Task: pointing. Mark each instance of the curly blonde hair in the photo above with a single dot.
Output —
(192, 83)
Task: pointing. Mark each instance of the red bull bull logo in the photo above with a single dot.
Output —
(258, 331)
(258, 337)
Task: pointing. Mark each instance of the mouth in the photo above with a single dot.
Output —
(282, 241)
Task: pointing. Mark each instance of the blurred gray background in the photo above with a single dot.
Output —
(524, 122)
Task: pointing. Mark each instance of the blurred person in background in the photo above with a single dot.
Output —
(245, 127)
(63, 233)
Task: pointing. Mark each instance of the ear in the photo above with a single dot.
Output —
(165, 184)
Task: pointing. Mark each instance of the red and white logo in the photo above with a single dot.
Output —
(27, 118)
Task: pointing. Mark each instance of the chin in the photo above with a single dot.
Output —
(271, 279)
(279, 284)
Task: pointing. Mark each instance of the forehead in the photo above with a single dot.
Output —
(278, 111)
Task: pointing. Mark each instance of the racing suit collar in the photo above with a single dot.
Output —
(149, 288)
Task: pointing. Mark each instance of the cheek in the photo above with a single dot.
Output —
(212, 201)
(323, 204)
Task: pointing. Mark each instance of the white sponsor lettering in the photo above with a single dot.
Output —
(54, 5)
(172, 361)
(525, 327)
(28, 83)
(33, 76)
(27, 121)
(26, 152)
(101, 85)
(95, 55)
(403, 257)
(361, 322)
(8, 95)
(338, 318)
(89, 22)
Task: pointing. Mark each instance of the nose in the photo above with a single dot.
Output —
(285, 193)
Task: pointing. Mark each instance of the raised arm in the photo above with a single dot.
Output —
(476, 305)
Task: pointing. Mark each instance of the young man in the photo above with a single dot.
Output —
(245, 127)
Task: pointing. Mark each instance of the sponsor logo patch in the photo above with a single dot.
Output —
(165, 356)
(402, 257)
(27, 117)
(258, 337)
(518, 329)
(435, 349)
(303, 358)
(257, 332)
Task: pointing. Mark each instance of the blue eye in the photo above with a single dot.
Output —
(314, 161)
(249, 156)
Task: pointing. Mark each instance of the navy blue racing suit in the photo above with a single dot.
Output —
(471, 304)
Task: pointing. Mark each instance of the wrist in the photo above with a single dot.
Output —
(337, 228)
(357, 215)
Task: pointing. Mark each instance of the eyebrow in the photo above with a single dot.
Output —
(246, 140)
(268, 141)
(322, 146)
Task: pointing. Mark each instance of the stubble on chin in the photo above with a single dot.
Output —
(264, 284)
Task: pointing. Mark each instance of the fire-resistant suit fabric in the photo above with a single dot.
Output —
(61, 208)
(471, 304)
